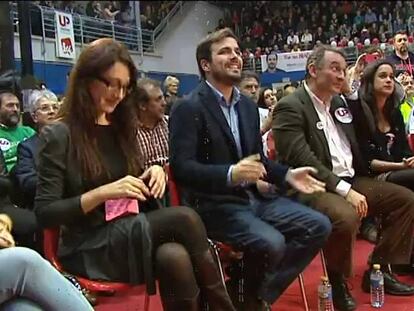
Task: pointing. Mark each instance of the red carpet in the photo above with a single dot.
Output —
(291, 299)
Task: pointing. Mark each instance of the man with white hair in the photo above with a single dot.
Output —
(43, 109)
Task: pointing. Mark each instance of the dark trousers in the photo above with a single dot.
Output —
(280, 236)
(392, 204)
(403, 178)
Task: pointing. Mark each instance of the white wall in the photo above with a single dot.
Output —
(175, 50)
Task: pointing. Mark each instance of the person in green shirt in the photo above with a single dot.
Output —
(11, 132)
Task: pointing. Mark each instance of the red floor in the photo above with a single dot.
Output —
(291, 299)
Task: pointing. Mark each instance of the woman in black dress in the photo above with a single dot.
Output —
(90, 157)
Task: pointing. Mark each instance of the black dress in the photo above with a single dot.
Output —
(119, 250)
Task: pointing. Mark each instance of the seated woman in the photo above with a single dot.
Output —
(30, 283)
(43, 105)
(380, 126)
(89, 164)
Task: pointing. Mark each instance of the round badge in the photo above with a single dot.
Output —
(343, 115)
(4, 144)
(319, 125)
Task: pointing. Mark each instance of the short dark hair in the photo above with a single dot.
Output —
(4, 93)
(317, 57)
(204, 47)
(249, 75)
(400, 32)
(142, 97)
(267, 56)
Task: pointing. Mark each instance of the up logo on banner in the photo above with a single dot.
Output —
(65, 39)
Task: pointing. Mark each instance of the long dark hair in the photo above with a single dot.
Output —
(261, 101)
(79, 111)
(367, 93)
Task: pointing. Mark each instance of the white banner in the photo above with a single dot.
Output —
(65, 39)
(294, 61)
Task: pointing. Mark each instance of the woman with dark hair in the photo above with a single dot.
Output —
(380, 126)
(90, 174)
(266, 102)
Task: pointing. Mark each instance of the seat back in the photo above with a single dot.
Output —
(50, 246)
(172, 188)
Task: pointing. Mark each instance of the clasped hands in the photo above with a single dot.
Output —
(151, 183)
(251, 170)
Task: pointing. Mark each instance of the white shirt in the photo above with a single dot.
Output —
(339, 146)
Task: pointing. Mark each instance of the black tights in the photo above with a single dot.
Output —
(180, 245)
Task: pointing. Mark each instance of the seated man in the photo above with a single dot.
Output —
(153, 125)
(216, 156)
(11, 133)
(43, 108)
(314, 127)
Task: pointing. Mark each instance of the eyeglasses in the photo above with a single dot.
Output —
(47, 107)
(111, 87)
(402, 39)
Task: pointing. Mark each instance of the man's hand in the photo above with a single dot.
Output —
(249, 170)
(359, 202)
(301, 179)
(409, 162)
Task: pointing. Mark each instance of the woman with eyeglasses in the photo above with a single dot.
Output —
(91, 179)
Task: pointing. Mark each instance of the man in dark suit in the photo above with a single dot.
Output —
(314, 127)
(216, 156)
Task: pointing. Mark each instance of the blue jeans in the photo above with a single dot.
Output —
(281, 235)
(30, 283)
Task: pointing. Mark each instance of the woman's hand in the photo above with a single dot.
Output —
(127, 187)
(157, 180)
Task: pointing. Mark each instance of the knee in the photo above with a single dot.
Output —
(188, 219)
(171, 256)
(322, 227)
(272, 247)
(347, 222)
(25, 258)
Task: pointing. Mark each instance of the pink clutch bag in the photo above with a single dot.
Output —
(120, 207)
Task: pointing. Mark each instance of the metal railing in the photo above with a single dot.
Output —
(167, 19)
(86, 29)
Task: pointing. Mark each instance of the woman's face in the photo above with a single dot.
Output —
(269, 98)
(109, 89)
(384, 80)
(173, 88)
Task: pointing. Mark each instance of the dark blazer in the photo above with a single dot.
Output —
(299, 142)
(202, 148)
(25, 170)
(365, 126)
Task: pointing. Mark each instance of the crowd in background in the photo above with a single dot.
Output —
(285, 26)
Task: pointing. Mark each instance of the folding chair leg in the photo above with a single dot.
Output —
(303, 292)
(146, 302)
(325, 271)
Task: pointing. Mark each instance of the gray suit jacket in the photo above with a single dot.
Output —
(300, 142)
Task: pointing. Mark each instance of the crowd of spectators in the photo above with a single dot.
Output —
(153, 12)
(265, 26)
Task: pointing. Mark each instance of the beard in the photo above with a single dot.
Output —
(227, 78)
(11, 120)
(403, 49)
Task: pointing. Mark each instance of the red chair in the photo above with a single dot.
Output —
(410, 138)
(50, 246)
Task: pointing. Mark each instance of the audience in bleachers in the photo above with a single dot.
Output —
(171, 85)
(268, 26)
(153, 12)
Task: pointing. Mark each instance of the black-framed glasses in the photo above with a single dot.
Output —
(111, 87)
